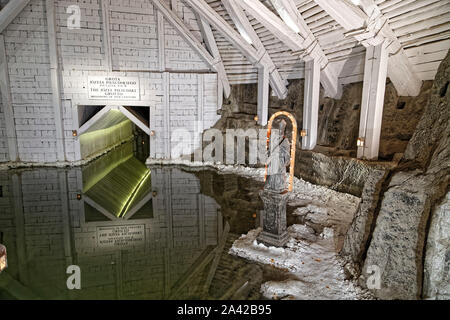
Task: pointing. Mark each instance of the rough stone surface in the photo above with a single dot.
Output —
(316, 270)
(433, 127)
(338, 173)
(332, 163)
(398, 241)
(338, 119)
(362, 226)
(437, 261)
(400, 118)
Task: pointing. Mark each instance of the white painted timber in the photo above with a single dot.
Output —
(247, 31)
(55, 79)
(263, 96)
(85, 127)
(161, 42)
(166, 115)
(211, 44)
(184, 32)
(134, 119)
(368, 25)
(373, 101)
(311, 104)
(274, 24)
(5, 89)
(10, 12)
(253, 56)
(304, 43)
(106, 34)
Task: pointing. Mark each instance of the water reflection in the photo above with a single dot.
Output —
(135, 232)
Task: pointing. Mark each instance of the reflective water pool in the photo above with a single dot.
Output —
(134, 232)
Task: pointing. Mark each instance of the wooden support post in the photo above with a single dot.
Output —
(7, 103)
(372, 101)
(311, 104)
(367, 24)
(166, 110)
(107, 35)
(55, 79)
(198, 141)
(263, 96)
(161, 42)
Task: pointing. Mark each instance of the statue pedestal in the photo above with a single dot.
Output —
(274, 219)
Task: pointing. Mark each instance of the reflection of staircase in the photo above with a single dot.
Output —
(120, 188)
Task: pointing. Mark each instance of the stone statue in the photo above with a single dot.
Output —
(275, 193)
(279, 158)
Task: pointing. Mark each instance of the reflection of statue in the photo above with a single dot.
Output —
(278, 159)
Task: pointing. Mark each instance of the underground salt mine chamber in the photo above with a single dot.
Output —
(224, 150)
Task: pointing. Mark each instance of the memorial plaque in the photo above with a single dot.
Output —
(121, 236)
(113, 88)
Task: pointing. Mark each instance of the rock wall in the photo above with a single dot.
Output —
(338, 119)
(391, 230)
(416, 187)
(437, 261)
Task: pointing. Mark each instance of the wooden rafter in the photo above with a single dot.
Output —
(211, 45)
(210, 42)
(368, 25)
(184, 31)
(244, 26)
(10, 12)
(293, 31)
(254, 56)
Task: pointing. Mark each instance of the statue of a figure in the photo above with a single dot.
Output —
(279, 158)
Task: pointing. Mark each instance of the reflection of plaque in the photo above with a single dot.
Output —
(113, 88)
(120, 236)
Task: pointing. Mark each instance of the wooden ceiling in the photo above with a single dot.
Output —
(422, 27)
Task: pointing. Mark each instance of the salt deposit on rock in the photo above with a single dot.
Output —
(317, 270)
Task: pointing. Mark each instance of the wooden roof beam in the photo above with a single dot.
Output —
(254, 56)
(367, 24)
(11, 11)
(210, 42)
(187, 35)
(295, 33)
(244, 26)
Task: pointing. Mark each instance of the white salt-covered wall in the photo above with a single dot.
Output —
(175, 83)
